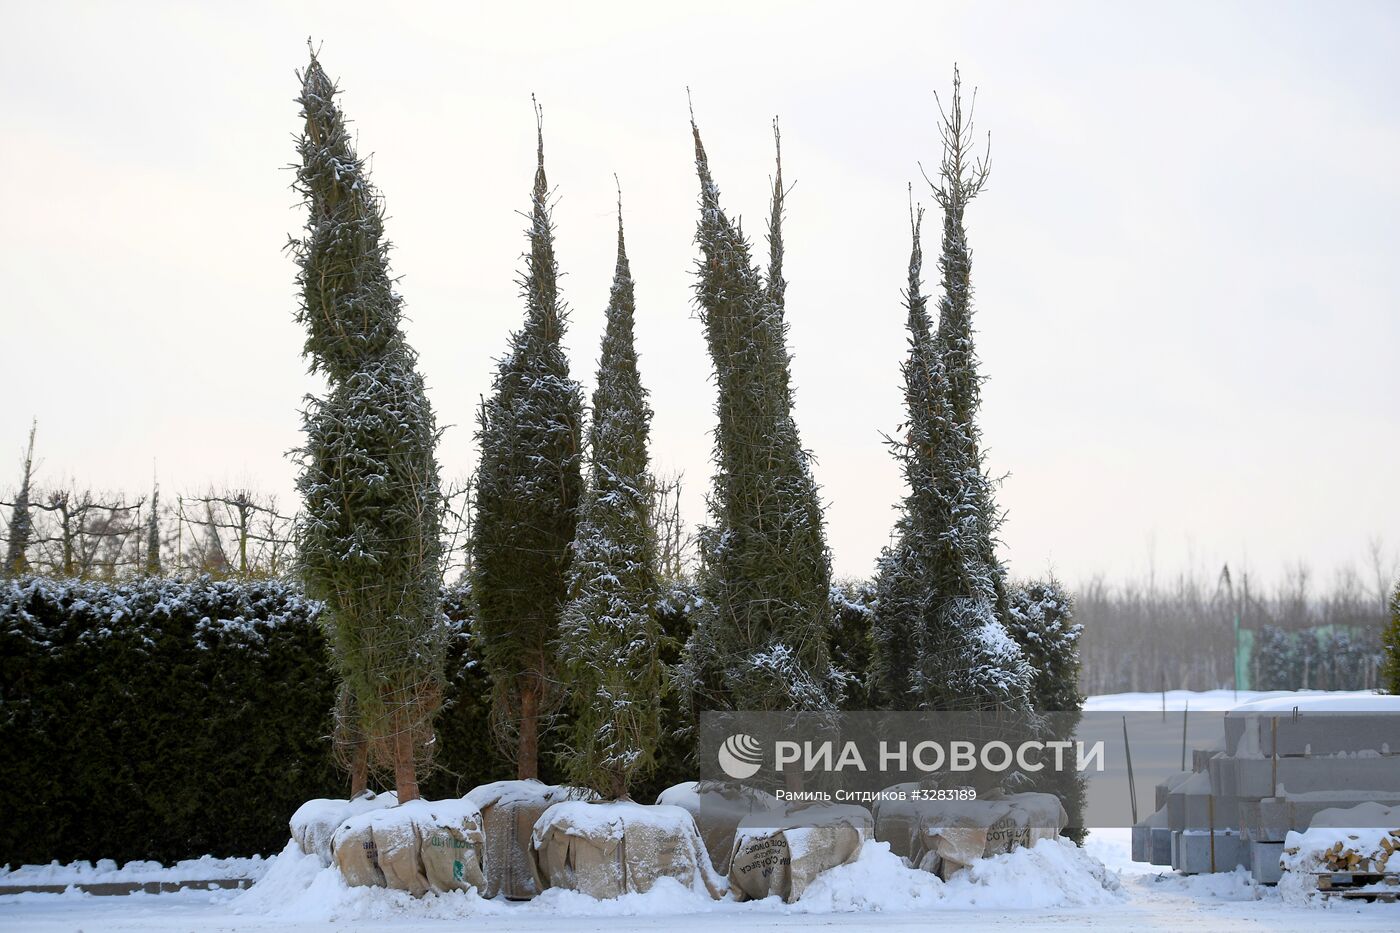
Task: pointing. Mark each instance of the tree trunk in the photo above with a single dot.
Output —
(405, 774)
(527, 756)
(359, 770)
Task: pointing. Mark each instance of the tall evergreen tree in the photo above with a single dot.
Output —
(528, 485)
(760, 640)
(937, 642)
(609, 634)
(369, 536)
(961, 177)
(898, 587)
(151, 564)
(21, 519)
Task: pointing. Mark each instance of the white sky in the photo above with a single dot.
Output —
(1188, 298)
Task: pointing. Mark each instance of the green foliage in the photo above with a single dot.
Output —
(608, 634)
(1041, 620)
(369, 535)
(852, 616)
(467, 757)
(1390, 642)
(1324, 657)
(159, 719)
(937, 641)
(21, 528)
(528, 485)
(760, 642)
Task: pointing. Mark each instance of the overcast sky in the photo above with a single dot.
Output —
(1187, 288)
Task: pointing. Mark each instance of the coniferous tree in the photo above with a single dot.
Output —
(609, 633)
(151, 564)
(760, 640)
(899, 586)
(936, 640)
(21, 521)
(961, 177)
(369, 537)
(1041, 620)
(528, 485)
(1390, 646)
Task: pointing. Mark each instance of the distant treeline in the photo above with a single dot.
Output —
(1145, 636)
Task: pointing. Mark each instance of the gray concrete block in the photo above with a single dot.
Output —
(1170, 784)
(1255, 777)
(1192, 851)
(1145, 834)
(1161, 846)
(1314, 733)
(1263, 861)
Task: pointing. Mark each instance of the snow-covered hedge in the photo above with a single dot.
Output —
(158, 719)
(165, 719)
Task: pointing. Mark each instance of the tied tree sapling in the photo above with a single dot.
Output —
(609, 634)
(369, 536)
(528, 484)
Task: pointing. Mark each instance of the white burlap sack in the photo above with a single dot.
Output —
(620, 847)
(451, 846)
(782, 855)
(717, 809)
(416, 847)
(953, 834)
(316, 821)
(509, 810)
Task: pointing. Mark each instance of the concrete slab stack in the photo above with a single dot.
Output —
(1284, 762)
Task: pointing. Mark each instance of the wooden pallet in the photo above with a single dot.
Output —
(1360, 885)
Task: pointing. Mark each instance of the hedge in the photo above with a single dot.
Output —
(158, 719)
(165, 719)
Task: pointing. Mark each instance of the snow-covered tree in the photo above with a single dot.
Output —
(760, 640)
(1041, 620)
(937, 642)
(961, 177)
(609, 633)
(151, 559)
(527, 490)
(1390, 645)
(21, 528)
(370, 531)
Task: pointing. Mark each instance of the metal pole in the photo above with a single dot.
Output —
(1210, 818)
(1184, 713)
(1273, 777)
(1132, 786)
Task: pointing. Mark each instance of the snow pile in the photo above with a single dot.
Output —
(1358, 839)
(204, 868)
(316, 821)
(298, 888)
(1051, 873)
(609, 849)
(1202, 701)
(1338, 702)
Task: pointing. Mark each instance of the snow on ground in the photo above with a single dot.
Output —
(1220, 700)
(205, 868)
(1052, 886)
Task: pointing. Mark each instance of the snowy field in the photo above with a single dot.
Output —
(1050, 887)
